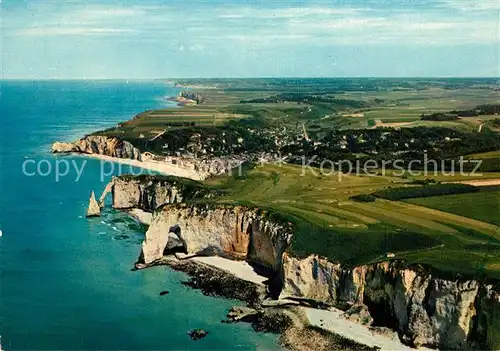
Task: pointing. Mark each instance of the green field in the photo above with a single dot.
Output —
(391, 102)
(483, 206)
(452, 233)
(485, 155)
(328, 223)
(407, 106)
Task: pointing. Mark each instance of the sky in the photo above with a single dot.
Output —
(143, 39)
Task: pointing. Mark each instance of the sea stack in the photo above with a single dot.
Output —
(94, 209)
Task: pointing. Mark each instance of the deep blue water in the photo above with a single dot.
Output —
(65, 280)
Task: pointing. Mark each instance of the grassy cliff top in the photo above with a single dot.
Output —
(327, 222)
(246, 115)
(321, 104)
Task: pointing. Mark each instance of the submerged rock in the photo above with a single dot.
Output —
(274, 320)
(214, 281)
(94, 210)
(165, 292)
(197, 334)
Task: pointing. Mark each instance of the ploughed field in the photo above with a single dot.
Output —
(330, 224)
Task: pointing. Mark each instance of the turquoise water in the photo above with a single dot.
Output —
(65, 280)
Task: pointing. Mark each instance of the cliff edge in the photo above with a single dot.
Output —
(99, 145)
(148, 192)
(424, 309)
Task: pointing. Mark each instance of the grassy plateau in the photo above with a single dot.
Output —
(452, 233)
(428, 230)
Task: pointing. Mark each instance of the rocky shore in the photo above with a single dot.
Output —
(423, 309)
(111, 149)
(213, 281)
(288, 320)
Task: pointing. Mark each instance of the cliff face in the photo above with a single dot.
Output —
(100, 145)
(228, 231)
(149, 192)
(424, 309)
(318, 279)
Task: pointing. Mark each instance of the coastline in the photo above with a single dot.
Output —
(221, 277)
(333, 321)
(154, 166)
(216, 276)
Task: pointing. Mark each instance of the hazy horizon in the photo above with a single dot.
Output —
(232, 78)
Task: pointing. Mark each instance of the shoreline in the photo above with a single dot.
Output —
(221, 277)
(159, 167)
(329, 326)
(183, 172)
(216, 276)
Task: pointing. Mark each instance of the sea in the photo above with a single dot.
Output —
(65, 280)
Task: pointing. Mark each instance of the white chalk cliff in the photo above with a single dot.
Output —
(149, 192)
(99, 145)
(425, 310)
(228, 231)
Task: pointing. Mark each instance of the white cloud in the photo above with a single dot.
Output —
(473, 5)
(55, 31)
(347, 23)
(310, 25)
(284, 13)
(81, 20)
(414, 28)
(102, 13)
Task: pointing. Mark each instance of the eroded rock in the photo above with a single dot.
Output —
(425, 310)
(237, 313)
(228, 231)
(99, 145)
(150, 192)
(359, 314)
(94, 210)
